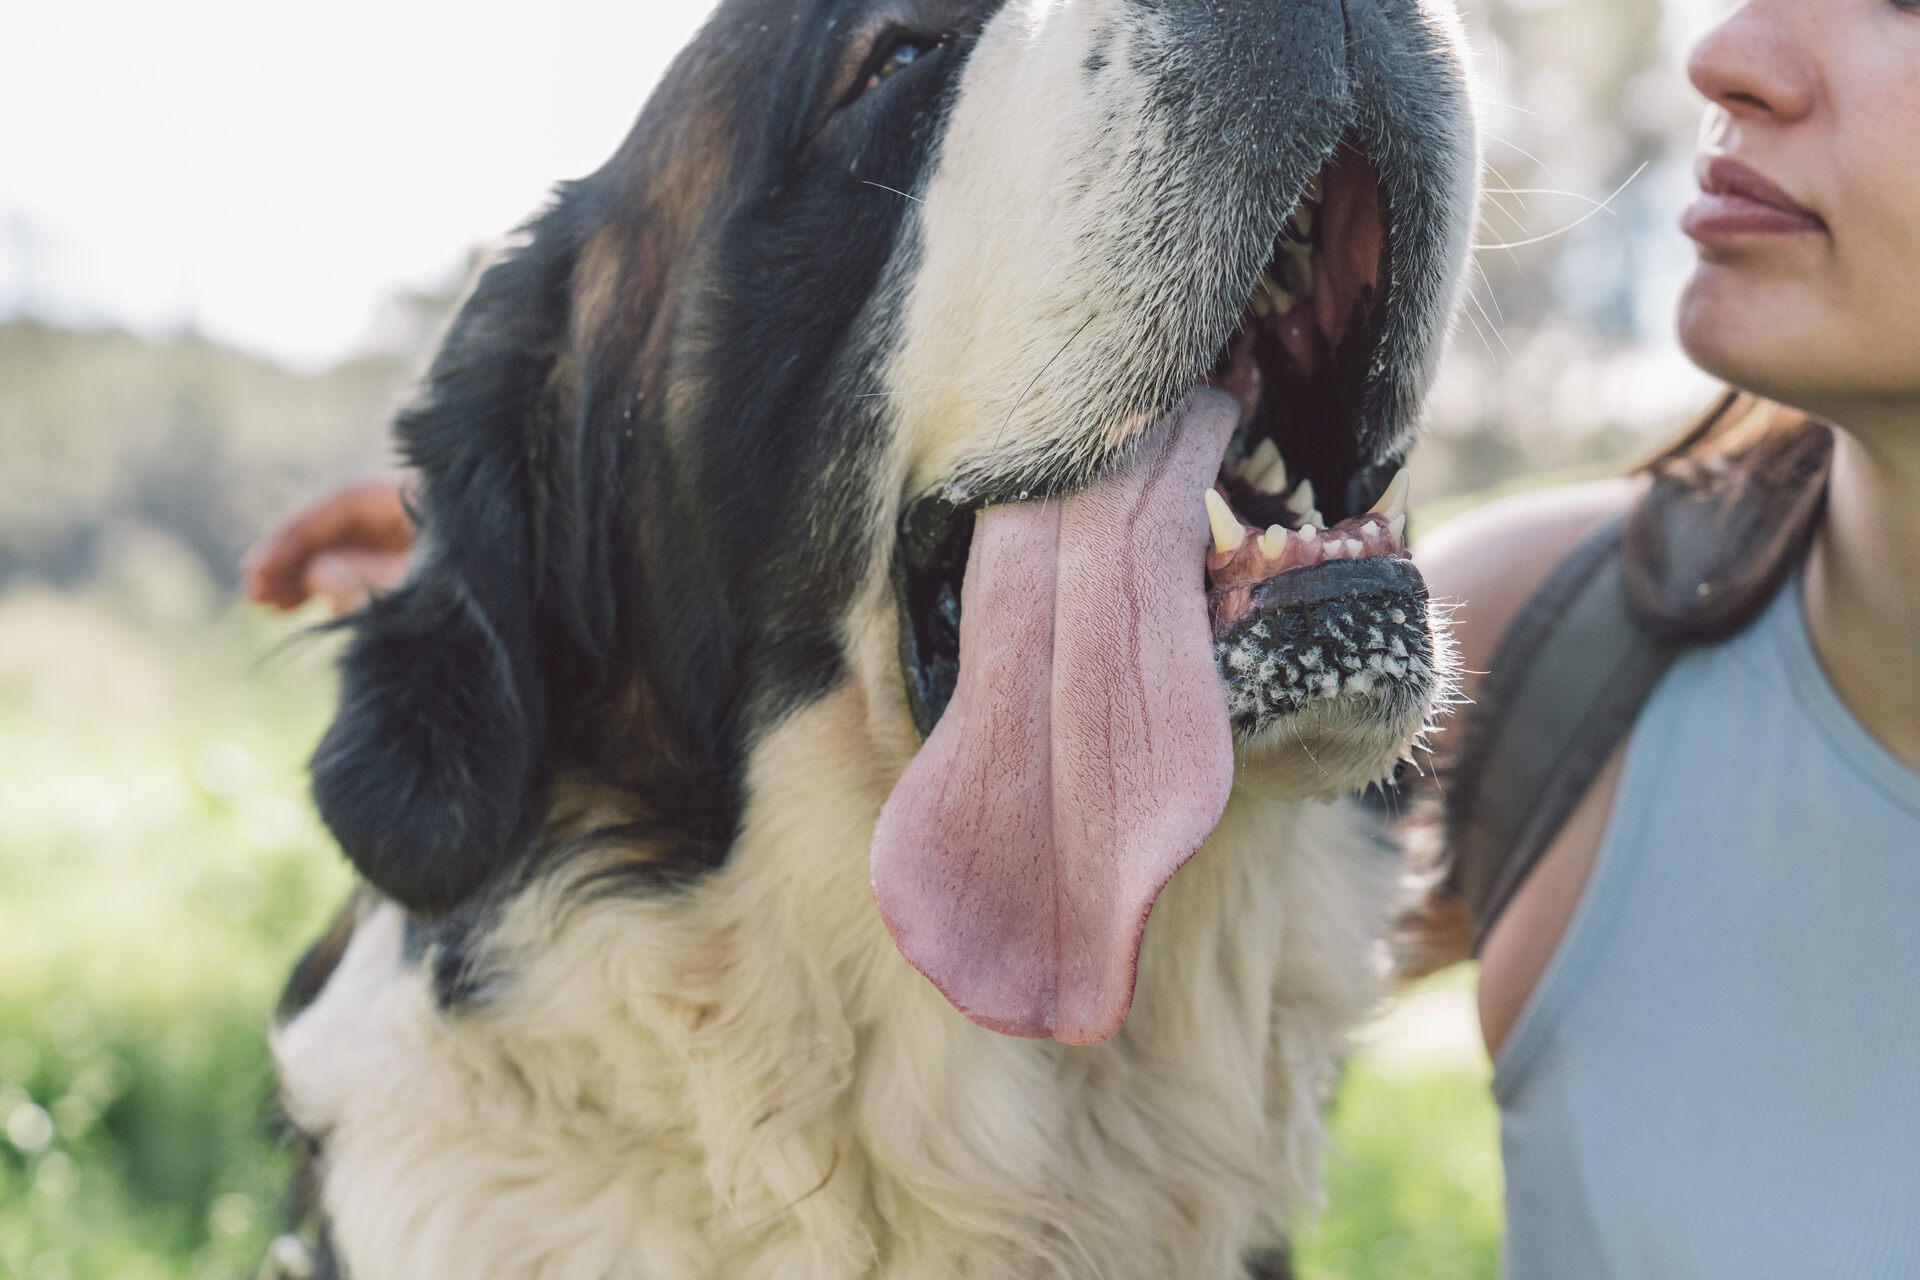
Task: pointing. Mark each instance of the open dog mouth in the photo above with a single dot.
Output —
(1296, 365)
(1081, 665)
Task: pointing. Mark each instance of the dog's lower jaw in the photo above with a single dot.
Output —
(751, 1081)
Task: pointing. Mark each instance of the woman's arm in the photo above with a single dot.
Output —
(1489, 562)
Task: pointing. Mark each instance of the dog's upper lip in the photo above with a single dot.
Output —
(1724, 175)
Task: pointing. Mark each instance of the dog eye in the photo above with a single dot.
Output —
(896, 54)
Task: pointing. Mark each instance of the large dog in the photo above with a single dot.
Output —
(936, 479)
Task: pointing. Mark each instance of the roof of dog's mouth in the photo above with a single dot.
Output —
(1059, 654)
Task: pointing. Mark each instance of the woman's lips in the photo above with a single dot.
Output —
(1738, 200)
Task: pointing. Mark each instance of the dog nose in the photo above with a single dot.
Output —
(1266, 77)
(1293, 38)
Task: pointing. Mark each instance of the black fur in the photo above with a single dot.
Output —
(623, 462)
(429, 774)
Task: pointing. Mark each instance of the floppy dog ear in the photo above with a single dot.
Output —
(431, 775)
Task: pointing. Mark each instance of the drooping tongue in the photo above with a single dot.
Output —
(1086, 752)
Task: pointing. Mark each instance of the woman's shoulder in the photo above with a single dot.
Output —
(1487, 562)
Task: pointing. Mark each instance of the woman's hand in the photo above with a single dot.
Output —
(340, 547)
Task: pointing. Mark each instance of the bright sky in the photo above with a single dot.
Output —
(269, 170)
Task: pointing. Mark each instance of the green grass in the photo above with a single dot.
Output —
(1413, 1185)
(160, 869)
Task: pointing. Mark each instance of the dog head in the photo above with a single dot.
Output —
(933, 321)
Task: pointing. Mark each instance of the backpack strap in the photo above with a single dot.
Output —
(1695, 558)
(1566, 682)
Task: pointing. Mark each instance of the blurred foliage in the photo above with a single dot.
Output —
(1413, 1184)
(108, 436)
(159, 871)
(1564, 356)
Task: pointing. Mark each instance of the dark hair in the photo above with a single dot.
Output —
(1729, 507)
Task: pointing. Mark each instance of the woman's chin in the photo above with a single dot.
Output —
(1732, 332)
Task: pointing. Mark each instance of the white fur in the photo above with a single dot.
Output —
(1061, 180)
(750, 1082)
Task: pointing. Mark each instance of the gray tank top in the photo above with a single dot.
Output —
(1718, 1074)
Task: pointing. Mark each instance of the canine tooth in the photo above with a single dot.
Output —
(1253, 462)
(1301, 500)
(1273, 543)
(1278, 300)
(1394, 501)
(1303, 218)
(1266, 469)
(1227, 533)
(1398, 528)
(1262, 304)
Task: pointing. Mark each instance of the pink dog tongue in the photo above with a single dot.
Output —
(1085, 754)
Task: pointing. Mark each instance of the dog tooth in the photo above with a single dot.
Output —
(1267, 470)
(1273, 543)
(1262, 304)
(1394, 501)
(1227, 533)
(1279, 301)
(1301, 500)
(1303, 219)
(1398, 528)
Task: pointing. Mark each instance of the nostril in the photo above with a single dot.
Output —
(1750, 67)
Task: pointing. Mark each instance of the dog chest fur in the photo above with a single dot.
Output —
(746, 1081)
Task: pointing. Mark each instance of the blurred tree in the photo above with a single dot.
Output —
(1565, 356)
(196, 441)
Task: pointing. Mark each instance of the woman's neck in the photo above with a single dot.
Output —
(1863, 585)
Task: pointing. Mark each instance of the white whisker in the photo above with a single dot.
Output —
(908, 195)
(1599, 206)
